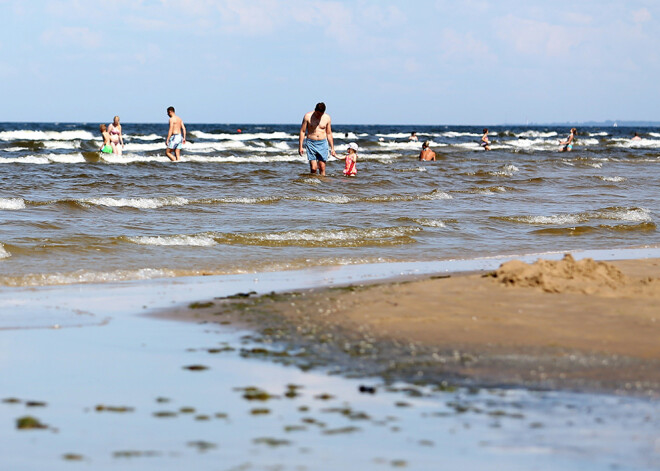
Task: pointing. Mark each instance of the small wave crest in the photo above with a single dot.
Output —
(347, 237)
(140, 203)
(12, 203)
(3, 252)
(27, 135)
(200, 240)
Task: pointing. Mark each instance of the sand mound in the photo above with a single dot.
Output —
(567, 275)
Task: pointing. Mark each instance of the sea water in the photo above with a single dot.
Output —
(243, 202)
(112, 388)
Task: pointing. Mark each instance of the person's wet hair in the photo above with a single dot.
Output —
(320, 107)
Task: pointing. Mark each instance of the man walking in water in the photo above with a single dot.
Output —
(315, 135)
(175, 138)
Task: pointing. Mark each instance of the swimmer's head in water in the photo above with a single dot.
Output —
(426, 144)
(320, 107)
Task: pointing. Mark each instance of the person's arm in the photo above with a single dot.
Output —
(434, 156)
(183, 131)
(331, 141)
(301, 137)
(169, 133)
(121, 136)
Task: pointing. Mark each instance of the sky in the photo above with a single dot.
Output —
(475, 62)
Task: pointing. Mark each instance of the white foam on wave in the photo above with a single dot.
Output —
(613, 179)
(61, 145)
(624, 214)
(395, 135)
(506, 171)
(598, 134)
(12, 203)
(244, 136)
(28, 159)
(84, 276)
(408, 145)
(537, 134)
(339, 199)
(27, 135)
(66, 158)
(430, 222)
(128, 158)
(638, 144)
(454, 134)
(435, 195)
(3, 252)
(553, 219)
(335, 235)
(175, 240)
(140, 203)
(150, 137)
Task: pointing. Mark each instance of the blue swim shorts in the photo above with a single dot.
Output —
(317, 150)
(175, 141)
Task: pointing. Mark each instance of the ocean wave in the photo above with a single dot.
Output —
(140, 203)
(613, 179)
(580, 230)
(454, 134)
(244, 136)
(612, 213)
(537, 134)
(175, 240)
(623, 214)
(348, 237)
(28, 135)
(3, 252)
(506, 171)
(426, 222)
(45, 159)
(12, 203)
(638, 144)
(85, 276)
(598, 134)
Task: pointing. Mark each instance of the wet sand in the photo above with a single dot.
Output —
(591, 326)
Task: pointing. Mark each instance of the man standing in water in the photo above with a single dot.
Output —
(175, 138)
(315, 135)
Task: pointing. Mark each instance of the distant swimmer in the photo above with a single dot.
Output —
(569, 142)
(350, 169)
(315, 136)
(106, 148)
(176, 136)
(413, 137)
(636, 137)
(485, 142)
(116, 139)
(426, 153)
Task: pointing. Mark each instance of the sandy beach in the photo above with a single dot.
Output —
(580, 325)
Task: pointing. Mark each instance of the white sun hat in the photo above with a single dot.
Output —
(353, 146)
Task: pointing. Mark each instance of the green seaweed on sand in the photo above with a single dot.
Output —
(187, 410)
(11, 400)
(260, 411)
(196, 367)
(121, 409)
(72, 457)
(202, 445)
(165, 414)
(252, 393)
(200, 305)
(272, 442)
(29, 423)
(342, 430)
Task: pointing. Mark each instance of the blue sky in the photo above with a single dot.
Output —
(372, 61)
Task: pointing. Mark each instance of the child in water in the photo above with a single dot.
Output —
(106, 148)
(485, 142)
(351, 160)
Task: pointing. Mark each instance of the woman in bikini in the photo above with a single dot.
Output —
(116, 139)
(569, 142)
